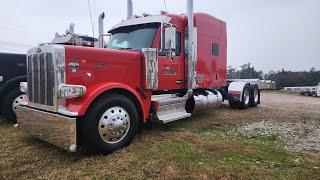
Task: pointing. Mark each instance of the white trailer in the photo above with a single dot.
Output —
(262, 84)
(305, 90)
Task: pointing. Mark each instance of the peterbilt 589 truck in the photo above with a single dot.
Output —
(154, 68)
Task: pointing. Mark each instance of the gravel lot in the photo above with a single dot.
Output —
(277, 140)
(299, 134)
(291, 102)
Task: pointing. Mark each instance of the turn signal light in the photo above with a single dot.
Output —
(23, 87)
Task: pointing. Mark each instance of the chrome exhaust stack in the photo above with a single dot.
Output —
(129, 9)
(101, 30)
(71, 28)
(192, 49)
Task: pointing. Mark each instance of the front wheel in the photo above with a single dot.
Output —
(111, 123)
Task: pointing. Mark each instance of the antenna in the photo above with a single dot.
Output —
(165, 5)
(92, 24)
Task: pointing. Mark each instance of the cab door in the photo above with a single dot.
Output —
(172, 71)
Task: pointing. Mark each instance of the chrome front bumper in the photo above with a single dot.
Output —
(53, 128)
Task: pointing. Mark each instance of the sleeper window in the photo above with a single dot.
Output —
(215, 49)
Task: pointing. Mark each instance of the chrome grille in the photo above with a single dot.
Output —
(41, 82)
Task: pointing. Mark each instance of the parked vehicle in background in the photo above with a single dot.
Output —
(305, 90)
(155, 69)
(12, 72)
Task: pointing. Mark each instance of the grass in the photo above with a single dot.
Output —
(203, 147)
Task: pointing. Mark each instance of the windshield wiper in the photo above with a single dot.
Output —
(125, 48)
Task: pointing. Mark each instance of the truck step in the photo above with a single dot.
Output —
(170, 117)
(171, 108)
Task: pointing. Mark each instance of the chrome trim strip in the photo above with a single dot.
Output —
(39, 79)
(32, 69)
(45, 79)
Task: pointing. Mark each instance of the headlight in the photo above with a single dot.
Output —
(68, 91)
(24, 87)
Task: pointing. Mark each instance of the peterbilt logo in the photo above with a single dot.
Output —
(74, 66)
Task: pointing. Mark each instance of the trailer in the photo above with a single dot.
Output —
(262, 84)
(154, 69)
(305, 90)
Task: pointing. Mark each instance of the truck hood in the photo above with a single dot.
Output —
(88, 66)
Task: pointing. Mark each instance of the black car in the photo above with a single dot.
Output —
(12, 72)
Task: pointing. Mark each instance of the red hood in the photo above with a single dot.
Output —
(101, 65)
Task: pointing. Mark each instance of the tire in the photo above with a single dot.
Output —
(245, 103)
(233, 104)
(254, 96)
(11, 98)
(106, 116)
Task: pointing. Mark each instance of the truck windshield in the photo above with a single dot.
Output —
(133, 37)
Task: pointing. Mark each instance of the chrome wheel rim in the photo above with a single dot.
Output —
(17, 101)
(246, 96)
(114, 125)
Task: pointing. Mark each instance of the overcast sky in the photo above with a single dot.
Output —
(270, 34)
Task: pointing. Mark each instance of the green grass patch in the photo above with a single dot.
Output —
(183, 152)
(260, 154)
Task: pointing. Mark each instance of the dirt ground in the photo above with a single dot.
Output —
(291, 101)
(257, 143)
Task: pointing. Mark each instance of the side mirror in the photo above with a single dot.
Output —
(170, 38)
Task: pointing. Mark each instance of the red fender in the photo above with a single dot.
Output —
(95, 91)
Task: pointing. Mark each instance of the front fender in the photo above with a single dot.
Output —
(82, 105)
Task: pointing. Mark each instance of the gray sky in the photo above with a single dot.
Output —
(271, 34)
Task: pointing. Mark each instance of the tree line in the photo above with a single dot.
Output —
(282, 78)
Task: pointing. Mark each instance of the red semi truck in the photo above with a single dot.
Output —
(155, 68)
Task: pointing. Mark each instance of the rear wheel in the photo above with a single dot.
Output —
(254, 96)
(244, 103)
(10, 102)
(111, 123)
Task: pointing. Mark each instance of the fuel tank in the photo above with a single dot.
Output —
(208, 99)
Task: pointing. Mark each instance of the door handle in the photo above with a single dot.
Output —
(180, 81)
(1, 78)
